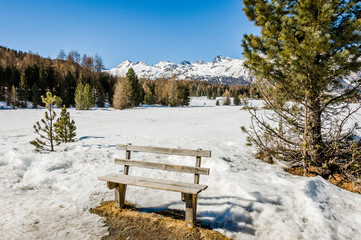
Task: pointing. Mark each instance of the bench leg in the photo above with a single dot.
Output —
(195, 200)
(120, 195)
(190, 200)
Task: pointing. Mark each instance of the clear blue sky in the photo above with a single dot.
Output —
(138, 30)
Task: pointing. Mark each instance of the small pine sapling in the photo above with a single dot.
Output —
(46, 132)
(217, 102)
(64, 127)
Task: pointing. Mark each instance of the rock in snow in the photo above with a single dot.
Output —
(222, 70)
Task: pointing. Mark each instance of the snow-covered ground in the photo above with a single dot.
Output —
(48, 196)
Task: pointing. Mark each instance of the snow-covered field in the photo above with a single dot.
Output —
(48, 196)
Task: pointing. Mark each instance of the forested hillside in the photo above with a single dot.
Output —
(26, 76)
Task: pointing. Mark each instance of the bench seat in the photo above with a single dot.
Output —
(188, 188)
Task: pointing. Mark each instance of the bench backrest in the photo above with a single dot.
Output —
(197, 170)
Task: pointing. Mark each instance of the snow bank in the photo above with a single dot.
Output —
(48, 196)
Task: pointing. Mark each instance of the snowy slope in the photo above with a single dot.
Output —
(48, 196)
(223, 70)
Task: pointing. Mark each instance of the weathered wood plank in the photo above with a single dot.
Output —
(161, 150)
(162, 166)
(154, 183)
(190, 210)
(117, 196)
(198, 164)
(196, 181)
(122, 191)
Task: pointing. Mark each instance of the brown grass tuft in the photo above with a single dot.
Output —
(129, 223)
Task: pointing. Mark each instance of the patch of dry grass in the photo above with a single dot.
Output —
(129, 223)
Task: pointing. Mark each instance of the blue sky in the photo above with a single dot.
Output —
(138, 30)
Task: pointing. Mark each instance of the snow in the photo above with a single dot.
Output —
(48, 196)
(221, 70)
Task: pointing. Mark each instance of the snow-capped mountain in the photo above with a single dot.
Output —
(223, 70)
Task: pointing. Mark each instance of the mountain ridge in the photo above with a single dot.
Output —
(222, 70)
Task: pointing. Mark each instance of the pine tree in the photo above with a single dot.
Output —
(217, 102)
(79, 97)
(46, 132)
(67, 90)
(35, 95)
(128, 92)
(64, 128)
(23, 90)
(89, 100)
(136, 95)
(236, 100)
(182, 94)
(84, 97)
(304, 49)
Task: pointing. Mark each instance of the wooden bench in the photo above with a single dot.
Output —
(189, 191)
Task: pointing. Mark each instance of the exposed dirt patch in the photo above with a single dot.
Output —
(129, 223)
(335, 179)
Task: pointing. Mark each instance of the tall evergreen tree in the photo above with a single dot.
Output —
(236, 100)
(84, 97)
(128, 92)
(23, 90)
(47, 139)
(304, 50)
(35, 95)
(43, 85)
(183, 94)
(68, 89)
(136, 94)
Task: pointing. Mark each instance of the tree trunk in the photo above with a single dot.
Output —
(51, 130)
(315, 146)
(305, 133)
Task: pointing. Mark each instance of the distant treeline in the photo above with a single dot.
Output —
(24, 77)
(167, 91)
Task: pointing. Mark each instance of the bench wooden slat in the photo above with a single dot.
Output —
(162, 166)
(160, 150)
(189, 188)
